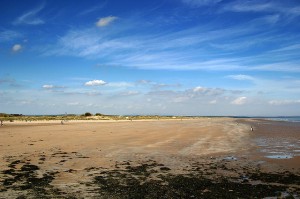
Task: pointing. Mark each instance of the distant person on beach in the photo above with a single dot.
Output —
(251, 128)
(1, 123)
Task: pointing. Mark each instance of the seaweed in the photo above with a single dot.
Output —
(283, 178)
(136, 182)
(152, 180)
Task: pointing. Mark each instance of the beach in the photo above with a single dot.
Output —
(179, 158)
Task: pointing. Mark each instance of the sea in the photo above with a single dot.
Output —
(277, 118)
(287, 119)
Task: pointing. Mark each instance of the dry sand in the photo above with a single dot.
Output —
(76, 152)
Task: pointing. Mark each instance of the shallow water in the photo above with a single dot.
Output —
(230, 158)
(278, 156)
(278, 148)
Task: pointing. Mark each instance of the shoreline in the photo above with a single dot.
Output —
(199, 157)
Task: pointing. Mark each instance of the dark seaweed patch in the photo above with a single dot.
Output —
(136, 182)
(26, 178)
(165, 169)
(42, 158)
(283, 178)
(152, 180)
(179, 186)
(29, 168)
(14, 163)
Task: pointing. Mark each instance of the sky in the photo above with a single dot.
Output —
(158, 57)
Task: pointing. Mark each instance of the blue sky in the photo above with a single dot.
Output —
(168, 57)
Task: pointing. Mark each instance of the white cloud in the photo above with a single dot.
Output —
(47, 86)
(199, 89)
(105, 21)
(284, 102)
(16, 48)
(50, 86)
(206, 91)
(95, 83)
(30, 18)
(240, 77)
(239, 101)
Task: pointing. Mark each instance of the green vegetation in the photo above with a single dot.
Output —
(85, 116)
(88, 114)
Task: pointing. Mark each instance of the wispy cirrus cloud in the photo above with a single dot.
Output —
(284, 102)
(241, 77)
(263, 6)
(281, 66)
(250, 6)
(9, 35)
(120, 84)
(197, 3)
(195, 48)
(89, 43)
(30, 17)
(93, 9)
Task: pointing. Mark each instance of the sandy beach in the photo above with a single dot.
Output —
(192, 158)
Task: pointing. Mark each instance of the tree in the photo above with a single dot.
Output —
(88, 114)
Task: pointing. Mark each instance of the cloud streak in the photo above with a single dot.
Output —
(196, 48)
(198, 3)
(30, 17)
(50, 86)
(263, 6)
(9, 35)
(240, 77)
(284, 102)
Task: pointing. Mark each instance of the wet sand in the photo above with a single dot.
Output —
(200, 158)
